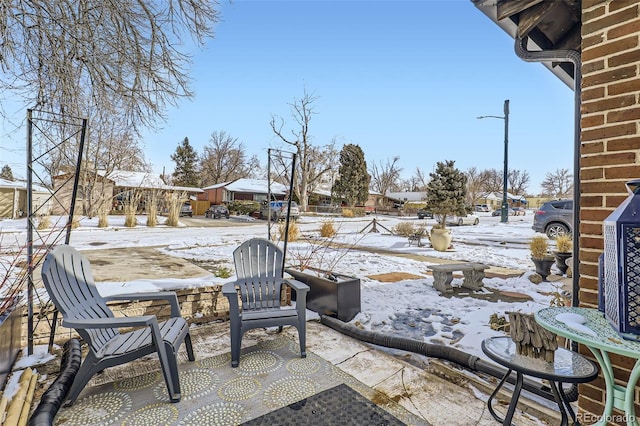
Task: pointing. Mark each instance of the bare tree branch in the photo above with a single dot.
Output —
(312, 161)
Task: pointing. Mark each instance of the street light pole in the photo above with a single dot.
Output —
(504, 211)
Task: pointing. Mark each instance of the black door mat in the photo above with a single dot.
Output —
(339, 406)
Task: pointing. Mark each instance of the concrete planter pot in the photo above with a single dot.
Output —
(543, 266)
(10, 339)
(561, 261)
(440, 239)
(339, 298)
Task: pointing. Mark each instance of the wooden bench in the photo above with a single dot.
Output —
(443, 275)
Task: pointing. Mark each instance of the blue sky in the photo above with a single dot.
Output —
(397, 78)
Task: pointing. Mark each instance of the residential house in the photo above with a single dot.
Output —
(116, 186)
(13, 199)
(242, 189)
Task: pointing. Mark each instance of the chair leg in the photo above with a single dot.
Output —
(84, 374)
(172, 361)
(189, 347)
(302, 336)
(236, 343)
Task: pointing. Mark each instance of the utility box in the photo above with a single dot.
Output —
(621, 275)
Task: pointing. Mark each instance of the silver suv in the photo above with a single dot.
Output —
(277, 210)
(554, 218)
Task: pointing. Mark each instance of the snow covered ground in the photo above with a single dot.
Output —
(411, 307)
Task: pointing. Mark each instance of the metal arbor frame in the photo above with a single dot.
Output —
(292, 176)
(48, 134)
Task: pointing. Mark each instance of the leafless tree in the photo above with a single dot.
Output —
(109, 147)
(95, 59)
(255, 169)
(518, 181)
(385, 176)
(224, 159)
(492, 180)
(415, 183)
(312, 161)
(558, 184)
(475, 186)
(55, 55)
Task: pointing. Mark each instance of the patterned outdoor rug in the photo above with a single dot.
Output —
(272, 386)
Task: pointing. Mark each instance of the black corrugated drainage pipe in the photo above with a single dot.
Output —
(572, 56)
(461, 358)
(53, 397)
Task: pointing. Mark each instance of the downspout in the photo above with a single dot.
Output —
(572, 56)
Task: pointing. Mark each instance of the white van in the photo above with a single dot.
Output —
(482, 208)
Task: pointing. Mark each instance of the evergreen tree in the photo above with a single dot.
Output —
(7, 173)
(446, 192)
(186, 172)
(352, 184)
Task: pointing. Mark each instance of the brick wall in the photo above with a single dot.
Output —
(610, 149)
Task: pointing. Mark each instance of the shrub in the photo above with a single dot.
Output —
(243, 207)
(404, 229)
(223, 272)
(103, 216)
(294, 231)
(327, 229)
(44, 223)
(75, 222)
(151, 206)
(539, 247)
(347, 213)
(131, 208)
(564, 243)
(174, 202)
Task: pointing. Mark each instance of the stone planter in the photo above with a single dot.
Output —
(561, 261)
(440, 239)
(339, 298)
(543, 266)
(10, 340)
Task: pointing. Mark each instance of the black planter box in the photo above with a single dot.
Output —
(10, 341)
(340, 298)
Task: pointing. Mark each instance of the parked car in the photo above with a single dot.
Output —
(422, 213)
(277, 210)
(482, 208)
(554, 218)
(217, 212)
(469, 219)
(186, 210)
(515, 211)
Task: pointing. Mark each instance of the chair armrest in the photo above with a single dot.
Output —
(229, 289)
(169, 296)
(301, 290)
(298, 286)
(144, 320)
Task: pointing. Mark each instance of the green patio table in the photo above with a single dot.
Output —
(595, 332)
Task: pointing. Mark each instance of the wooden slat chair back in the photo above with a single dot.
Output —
(258, 287)
(69, 282)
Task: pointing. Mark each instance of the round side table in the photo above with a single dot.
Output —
(568, 367)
